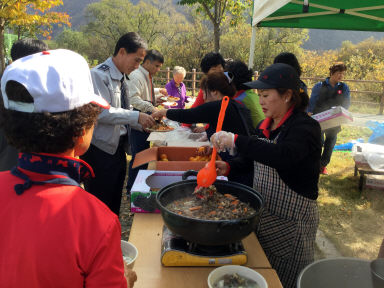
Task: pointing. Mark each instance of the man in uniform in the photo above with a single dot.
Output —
(325, 95)
(106, 154)
(142, 98)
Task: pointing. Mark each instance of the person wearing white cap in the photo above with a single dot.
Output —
(106, 154)
(54, 233)
(21, 48)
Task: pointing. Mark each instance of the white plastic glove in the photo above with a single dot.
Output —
(224, 141)
(203, 138)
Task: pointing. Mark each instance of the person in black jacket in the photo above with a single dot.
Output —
(237, 118)
(325, 95)
(285, 154)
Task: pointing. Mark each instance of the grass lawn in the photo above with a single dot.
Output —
(353, 222)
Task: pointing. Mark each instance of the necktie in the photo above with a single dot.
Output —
(123, 94)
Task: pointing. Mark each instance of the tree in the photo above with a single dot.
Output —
(31, 14)
(109, 19)
(217, 11)
(271, 41)
(157, 23)
(73, 40)
(187, 47)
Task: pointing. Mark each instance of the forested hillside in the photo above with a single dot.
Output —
(76, 9)
(319, 40)
(332, 39)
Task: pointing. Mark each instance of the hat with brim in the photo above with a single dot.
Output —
(276, 76)
(58, 81)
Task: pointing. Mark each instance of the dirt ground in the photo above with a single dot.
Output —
(126, 218)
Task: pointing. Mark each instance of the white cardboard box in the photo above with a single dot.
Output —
(375, 181)
(333, 117)
(148, 183)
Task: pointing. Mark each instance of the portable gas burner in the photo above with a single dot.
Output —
(176, 251)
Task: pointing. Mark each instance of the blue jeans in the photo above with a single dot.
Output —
(328, 139)
(138, 143)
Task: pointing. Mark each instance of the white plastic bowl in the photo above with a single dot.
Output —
(131, 251)
(240, 270)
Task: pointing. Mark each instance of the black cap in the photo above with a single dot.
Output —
(278, 75)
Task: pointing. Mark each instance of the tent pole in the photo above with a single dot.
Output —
(252, 48)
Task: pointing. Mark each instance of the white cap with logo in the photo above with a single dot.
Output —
(58, 80)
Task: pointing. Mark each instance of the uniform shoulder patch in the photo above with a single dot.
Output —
(103, 67)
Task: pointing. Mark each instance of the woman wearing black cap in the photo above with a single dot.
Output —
(285, 153)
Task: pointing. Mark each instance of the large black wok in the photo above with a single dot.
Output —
(209, 232)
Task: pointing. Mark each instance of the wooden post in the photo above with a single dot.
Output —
(168, 74)
(382, 102)
(193, 82)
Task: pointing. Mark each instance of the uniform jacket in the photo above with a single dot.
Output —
(111, 122)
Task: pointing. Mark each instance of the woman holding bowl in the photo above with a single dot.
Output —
(285, 155)
(176, 87)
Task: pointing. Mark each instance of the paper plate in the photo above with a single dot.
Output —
(172, 98)
(156, 130)
(170, 104)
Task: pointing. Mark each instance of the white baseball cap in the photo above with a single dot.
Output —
(58, 80)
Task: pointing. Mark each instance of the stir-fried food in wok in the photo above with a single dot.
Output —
(208, 204)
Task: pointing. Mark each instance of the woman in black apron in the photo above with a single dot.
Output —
(285, 154)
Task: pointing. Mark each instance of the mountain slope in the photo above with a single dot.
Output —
(332, 39)
(318, 39)
(76, 9)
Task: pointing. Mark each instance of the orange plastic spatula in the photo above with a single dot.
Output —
(207, 175)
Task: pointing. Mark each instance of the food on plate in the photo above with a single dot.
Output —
(234, 281)
(172, 98)
(160, 127)
(212, 206)
(169, 104)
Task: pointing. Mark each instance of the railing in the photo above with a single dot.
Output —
(191, 80)
(357, 87)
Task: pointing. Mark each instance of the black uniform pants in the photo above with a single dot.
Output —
(110, 171)
(328, 138)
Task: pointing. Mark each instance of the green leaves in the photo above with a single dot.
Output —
(218, 11)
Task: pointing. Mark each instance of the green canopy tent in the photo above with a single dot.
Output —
(360, 15)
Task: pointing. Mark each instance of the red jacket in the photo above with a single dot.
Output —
(56, 235)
